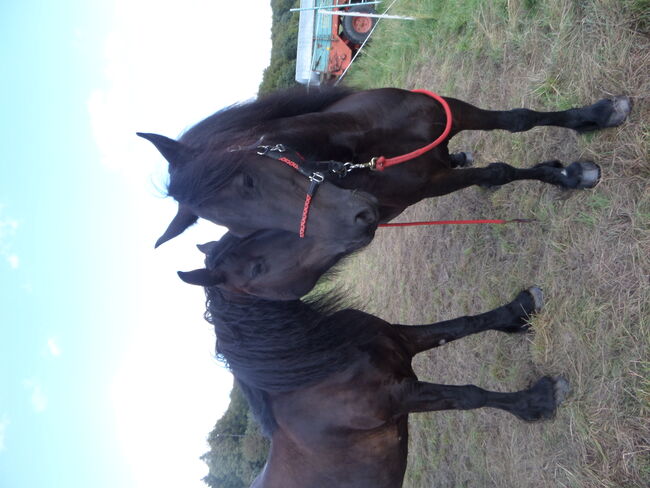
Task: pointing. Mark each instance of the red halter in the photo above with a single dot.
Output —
(282, 154)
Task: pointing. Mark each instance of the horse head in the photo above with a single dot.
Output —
(270, 264)
(247, 192)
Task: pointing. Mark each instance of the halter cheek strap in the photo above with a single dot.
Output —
(294, 159)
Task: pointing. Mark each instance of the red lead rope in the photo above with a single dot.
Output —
(447, 222)
(382, 163)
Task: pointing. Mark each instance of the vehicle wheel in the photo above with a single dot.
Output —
(357, 29)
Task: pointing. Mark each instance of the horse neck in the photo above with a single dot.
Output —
(279, 105)
(283, 346)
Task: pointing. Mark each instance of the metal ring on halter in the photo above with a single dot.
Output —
(317, 177)
(264, 150)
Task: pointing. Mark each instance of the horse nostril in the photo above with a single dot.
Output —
(366, 217)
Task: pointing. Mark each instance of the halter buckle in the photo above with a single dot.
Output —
(317, 177)
(264, 150)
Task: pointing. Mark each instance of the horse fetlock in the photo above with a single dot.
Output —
(554, 163)
(462, 159)
(527, 303)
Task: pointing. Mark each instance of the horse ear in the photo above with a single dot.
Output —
(208, 247)
(183, 219)
(173, 151)
(201, 277)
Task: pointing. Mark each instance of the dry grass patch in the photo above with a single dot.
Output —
(589, 251)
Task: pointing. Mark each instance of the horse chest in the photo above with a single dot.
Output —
(374, 459)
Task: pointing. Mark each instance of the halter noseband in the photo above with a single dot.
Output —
(297, 162)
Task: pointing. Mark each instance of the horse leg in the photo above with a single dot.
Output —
(538, 402)
(510, 318)
(608, 112)
(578, 175)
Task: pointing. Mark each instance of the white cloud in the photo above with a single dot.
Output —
(13, 260)
(191, 62)
(8, 228)
(37, 396)
(53, 347)
(4, 423)
(168, 66)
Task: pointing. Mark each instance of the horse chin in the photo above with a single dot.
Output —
(357, 244)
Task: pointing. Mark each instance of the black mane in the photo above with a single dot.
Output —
(243, 117)
(280, 346)
(216, 140)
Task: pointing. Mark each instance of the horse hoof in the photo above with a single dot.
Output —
(562, 389)
(621, 108)
(538, 297)
(586, 173)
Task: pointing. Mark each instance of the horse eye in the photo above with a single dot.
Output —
(256, 269)
(248, 181)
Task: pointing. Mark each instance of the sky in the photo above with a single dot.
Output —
(107, 368)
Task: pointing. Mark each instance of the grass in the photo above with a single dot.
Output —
(590, 251)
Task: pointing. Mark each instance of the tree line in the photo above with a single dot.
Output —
(284, 38)
(238, 450)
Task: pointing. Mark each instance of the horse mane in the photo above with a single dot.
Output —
(242, 117)
(281, 346)
(215, 140)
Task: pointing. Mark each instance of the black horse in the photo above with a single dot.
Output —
(270, 264)
(333, 388)
(216, 172)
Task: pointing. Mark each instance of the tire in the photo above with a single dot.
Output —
(357, 29)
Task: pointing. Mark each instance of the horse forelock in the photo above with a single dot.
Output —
(201, 178)
(222, 249)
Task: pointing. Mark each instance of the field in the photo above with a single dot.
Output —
(589, 250)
